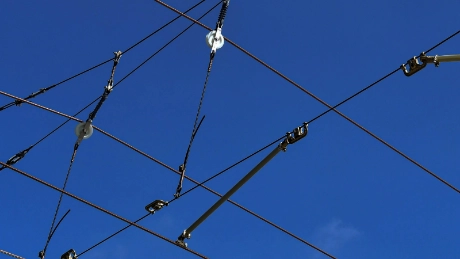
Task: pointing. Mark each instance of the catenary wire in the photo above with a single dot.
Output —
(221, 172)
(326, 104)
(43, 90)
(21, 154)
(98, 208)
(173, 170)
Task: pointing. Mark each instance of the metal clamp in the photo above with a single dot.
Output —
(156, 206)
(180, 240)
(299, 133)
(414, 65)
(71, 254)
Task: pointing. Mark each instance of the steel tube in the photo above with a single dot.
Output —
(235, 188)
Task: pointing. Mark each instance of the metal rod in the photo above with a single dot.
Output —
(188, 231)
(448, 58)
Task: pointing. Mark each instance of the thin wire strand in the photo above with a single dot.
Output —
(41, 91)
(98, 208)
(6, 106)
(10, 254)
(50, 235)
(200, 184)
(326, 104)
(228, 168)
(114, 234)
(54, 230)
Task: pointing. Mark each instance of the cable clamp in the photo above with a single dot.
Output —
(299, 133)
(156, 206)
(71, 254)
(414, 65)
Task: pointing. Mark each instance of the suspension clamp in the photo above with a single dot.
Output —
(180, 240)
(299, 133)
(71, 254)
(156, 206)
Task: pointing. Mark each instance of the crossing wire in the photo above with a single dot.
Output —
(171, 169)
(176, 198)
(331, 108)
(21, 154)
(43, 90)
(98, 208)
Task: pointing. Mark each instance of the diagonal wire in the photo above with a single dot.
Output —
(109, 237)
(52, 232)
(98, 208)
(200, 184)
(10, 254)
(21, 154)
(43, 90)
(326, 104)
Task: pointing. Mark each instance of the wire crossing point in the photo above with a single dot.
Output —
(291, 138)
(215, 40)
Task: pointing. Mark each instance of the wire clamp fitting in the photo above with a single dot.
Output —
(180, 240)
(156, 206)
(414, 65)
(299, 133)
(71, 254)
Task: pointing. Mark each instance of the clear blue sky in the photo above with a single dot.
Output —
(338, 188)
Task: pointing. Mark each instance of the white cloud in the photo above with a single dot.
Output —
(334, 236)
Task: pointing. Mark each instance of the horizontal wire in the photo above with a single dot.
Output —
(98, 207)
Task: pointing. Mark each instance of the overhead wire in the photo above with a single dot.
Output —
(107, 90)
(219, 25)
(168, 167)
(330, 109)
(43, 90)
(97, 207)
(326, 104)
(176, 198)
(11, 254)
(13, 160)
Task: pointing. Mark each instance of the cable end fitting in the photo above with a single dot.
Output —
(156, 206)
(180, 240)
(71, 254)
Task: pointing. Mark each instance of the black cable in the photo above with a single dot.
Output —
(43, 90)
(114, 234)
(228, 168)
(21, 154)
(74, 153)
(43, 252)
(183, 167)
(198, 185)
(13, 160)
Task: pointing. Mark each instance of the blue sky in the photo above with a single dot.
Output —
(338, 188)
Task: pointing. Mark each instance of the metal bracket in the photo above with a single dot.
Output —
(71, 254)
(180, 240)
(414, 65)
(156, 206)
(299, 133)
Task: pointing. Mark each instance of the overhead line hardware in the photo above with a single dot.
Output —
(156, 206)
(17, 102)
(215, 40)
(96, 207)
(326, 104)
(291, 138)
(415, 65)
(10, 254)
(71, 254)
(84, 130)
